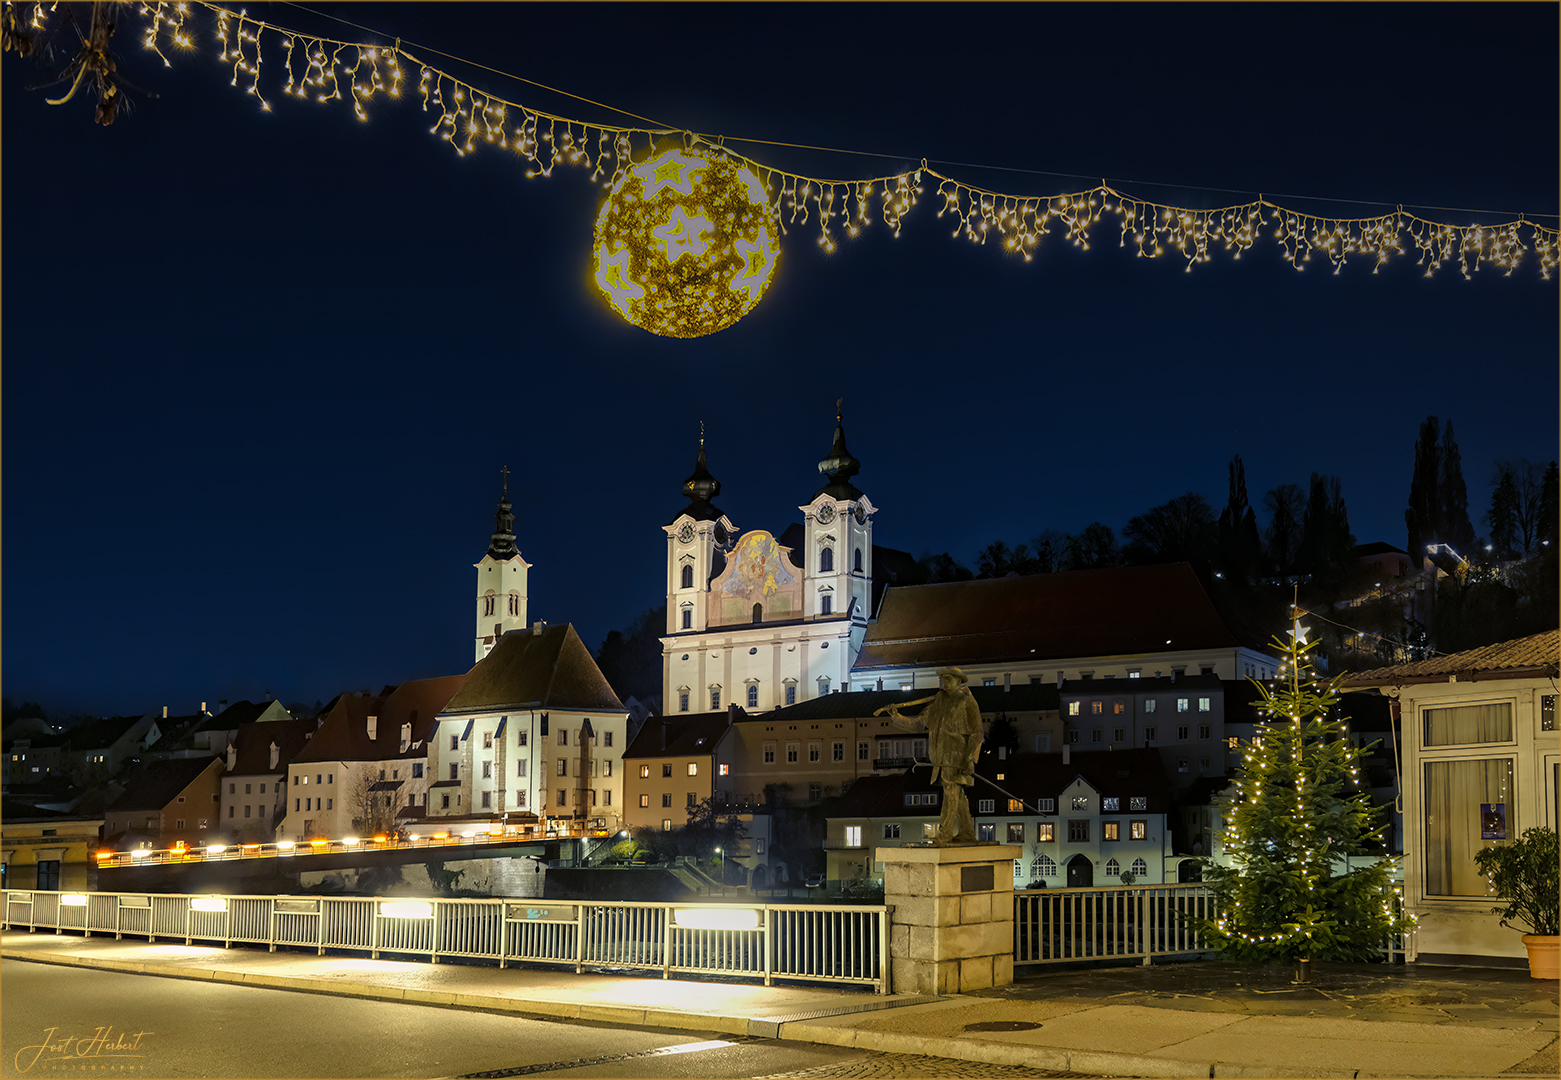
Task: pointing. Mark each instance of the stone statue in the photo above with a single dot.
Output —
(953, 723)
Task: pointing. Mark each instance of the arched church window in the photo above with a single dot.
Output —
(826, 604)
(514, 603)
(826, 560)
(758, 614)
(688, 575)
(688, 618)
(856, 560)
(753, 695)
(488, 602)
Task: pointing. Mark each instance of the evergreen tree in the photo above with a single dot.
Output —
(1502, 517)
(1284, 505)
(1241, 552)
(1454, 495)
(1298, 805)
(1546, 515)
(1423, 518)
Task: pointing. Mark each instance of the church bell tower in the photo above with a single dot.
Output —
(501, 579)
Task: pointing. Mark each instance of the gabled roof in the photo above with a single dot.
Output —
(1122, 610)
(240, 712)
(103, 732)
(175, 732)
(344, 734)
(153, 785)
(687, 734)
(1028, 777)
(253, 745)
(1378, 547)
(548, 670)
(1534, 656)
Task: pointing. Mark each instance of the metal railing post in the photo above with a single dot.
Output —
(767, 943)
(1143, 926)
(666, 940)
(437, 936)
(579, 938)
(374, 929)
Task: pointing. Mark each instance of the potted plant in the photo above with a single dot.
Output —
(1527, 875)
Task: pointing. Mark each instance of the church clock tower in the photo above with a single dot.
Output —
(839, 540)
(501, 579)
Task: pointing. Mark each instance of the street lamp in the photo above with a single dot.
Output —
(720, 863)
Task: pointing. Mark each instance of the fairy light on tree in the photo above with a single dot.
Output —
(1297, 808)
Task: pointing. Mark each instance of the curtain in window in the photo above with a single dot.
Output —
(1454, 791)
(1468, 724)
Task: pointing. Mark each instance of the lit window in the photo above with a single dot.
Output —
(1203, 704)
(725, 770)
(644, 800)
(1110, 830)
(1081, 802)
(693, 768)
(1044, 832)
(853, 832)
(1181, 704)
(1110, 805)
(1149, 705)
(1015, 806)
(986, 831)
(666, 769)
(644, 772)
(1138, 802)
(1073, 708)
(1138, 830)
(1118, 707)
(1096, 708)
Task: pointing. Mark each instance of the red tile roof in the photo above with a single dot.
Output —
(344, 734)
(1116, 611)
(1536, 655)
(253, 745)
(549, 670)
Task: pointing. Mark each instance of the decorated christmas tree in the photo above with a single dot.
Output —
(1283, 889)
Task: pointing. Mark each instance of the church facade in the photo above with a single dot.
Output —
(764, 620)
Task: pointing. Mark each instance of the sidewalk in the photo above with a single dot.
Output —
(1197, 1019)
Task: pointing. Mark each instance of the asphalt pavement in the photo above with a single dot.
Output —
(1204, 1019)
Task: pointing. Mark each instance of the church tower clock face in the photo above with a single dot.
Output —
(825, 515)
(686, 533)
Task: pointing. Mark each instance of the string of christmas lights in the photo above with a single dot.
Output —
(466, 117)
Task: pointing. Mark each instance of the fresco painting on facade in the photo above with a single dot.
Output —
(758, 574)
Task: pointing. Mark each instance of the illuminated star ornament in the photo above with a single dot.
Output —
(686, 243)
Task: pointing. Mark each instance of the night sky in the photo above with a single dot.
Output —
(261, 369)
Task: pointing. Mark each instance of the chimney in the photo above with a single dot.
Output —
(165, 712)
(275, 753)
(1002, 753)
(731, 712)
(538, 626)
(373, 727)
(663, 734)
(232, 756)
(203, 708)
(1059, 680)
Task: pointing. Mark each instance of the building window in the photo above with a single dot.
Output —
(644, 800)
(837, 751)
(1096, 708)
(1096, 735)
(1205, 732)
(1203, 704)
(1468, 724)
(1073, 736)
(487, 770)
(1113, 868)
(986, 806)
(1046, 806)
(988, 682)
(986, 831)
(753, 695)
(1045, 832)
(1181, 733)
(1118, 734)
(1149, 705)
(856, 560)
(563, 796)
(688, 618)
(246, 809)
(815, 751)
(891, 832)
(1547, 712)
(1043, 867)
(444, 802)
(520, 769)
(853, 836)
(792, 750)
(1138, 830)
(232, 788)
(1456, 794)
(769, 753)
(682, 701)
(1073, 708)
(455, 744)
(1138, 802)
(693, 768)
(1110, 805)
(1015, 806)
(644, 772)
(1081, 802)
(606, 796)
(606, 766)
(1016, 832)
(417, 774)
(692, 799)
(723, 769)
(715, 698)
(1078, 830)
(826, 604)
(1181, 765)
(1110, 830)
(179, 824)
(666, 824)
(1181, 704)
(758, 617)
(791, 693)
(487, 740)
(688, 576)
(232, 811)
(1140, 868)
(1149, 734)
(521, 740)
(666, 798)
(49, 873)
(861, 750)
(1118, 707)
(815, 791)
(487, 604)
(563, 766)
(826, 560)
(487, 799)
(455, 771)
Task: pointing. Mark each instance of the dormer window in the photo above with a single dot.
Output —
(406, 737)
(373, 726)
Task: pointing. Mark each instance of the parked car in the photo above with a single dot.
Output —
(814, 881)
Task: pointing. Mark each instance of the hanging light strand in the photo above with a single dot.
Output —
(467, 117)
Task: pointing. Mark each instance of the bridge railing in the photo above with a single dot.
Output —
(1058, 926)
(818, 943)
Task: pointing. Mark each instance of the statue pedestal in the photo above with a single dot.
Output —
(953, 921)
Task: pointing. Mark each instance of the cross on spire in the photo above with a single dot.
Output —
(838, 403)
(504, 470)
(701, 434)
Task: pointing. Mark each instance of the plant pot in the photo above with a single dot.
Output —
(1544, 955)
